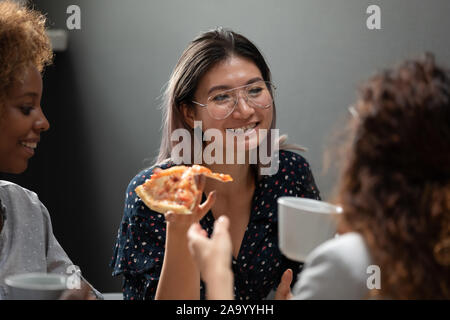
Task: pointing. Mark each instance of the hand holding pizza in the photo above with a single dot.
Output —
(199, 210)
(177, 192)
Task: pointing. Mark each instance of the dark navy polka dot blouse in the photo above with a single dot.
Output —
(139, 250)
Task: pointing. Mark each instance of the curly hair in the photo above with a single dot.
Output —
(395, 186)
(23, 42)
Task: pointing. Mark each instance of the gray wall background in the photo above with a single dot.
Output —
(118, 63)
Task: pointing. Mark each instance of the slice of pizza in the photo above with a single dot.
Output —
(175, 188)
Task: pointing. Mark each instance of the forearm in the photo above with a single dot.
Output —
(219, 285)
(180, 278)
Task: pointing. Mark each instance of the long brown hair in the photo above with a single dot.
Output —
(395, 186)
(204, 52)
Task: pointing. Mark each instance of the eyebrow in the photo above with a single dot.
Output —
(28, 94)
(225, 87)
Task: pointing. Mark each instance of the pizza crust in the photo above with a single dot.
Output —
(160, 206)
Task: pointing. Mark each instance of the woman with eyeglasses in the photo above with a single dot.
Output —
(395, 195)
(221, 84)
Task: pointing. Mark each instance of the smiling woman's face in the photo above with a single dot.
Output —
(21, 123)
(232, 73)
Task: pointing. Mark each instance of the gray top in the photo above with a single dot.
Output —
(337, 269)
(27, 243)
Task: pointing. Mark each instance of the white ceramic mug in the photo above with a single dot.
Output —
(304, 224)
(36, 286)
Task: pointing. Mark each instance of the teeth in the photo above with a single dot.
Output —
(31, 145)
(243, 129)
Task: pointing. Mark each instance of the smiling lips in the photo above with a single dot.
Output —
(32, 145)
(29, 145)
(244, 129)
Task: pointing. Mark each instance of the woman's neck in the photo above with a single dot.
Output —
(243, 180)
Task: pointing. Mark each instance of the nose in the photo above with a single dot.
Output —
(243, 110)
(41, 124)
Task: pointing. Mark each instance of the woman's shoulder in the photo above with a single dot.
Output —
(292, 159)
(341, 245)
(347, 253)
(22, 204)
(11, 191)
(293, 167)
(337, 269)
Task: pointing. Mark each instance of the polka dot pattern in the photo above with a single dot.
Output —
(139, 250)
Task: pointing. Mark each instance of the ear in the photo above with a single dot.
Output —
(188, 113)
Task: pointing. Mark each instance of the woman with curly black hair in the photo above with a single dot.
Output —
(27, 243)
(395, 194)
(395, 186)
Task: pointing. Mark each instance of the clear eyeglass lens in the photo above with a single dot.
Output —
(257, 94)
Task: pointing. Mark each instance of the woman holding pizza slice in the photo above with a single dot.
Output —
(223, 82)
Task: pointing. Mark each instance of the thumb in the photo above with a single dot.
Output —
(284, 288)
(197, 240)
(221, 226)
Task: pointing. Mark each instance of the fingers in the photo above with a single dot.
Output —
(284, 288)
(221, 226)
(197, 239)
(207, 205)
(179, 222)
(198, 213)
(221, 235)
(287, 277)
(195, 231)
(170, 216)
(200, 180)
(84, 293)
(178, 219)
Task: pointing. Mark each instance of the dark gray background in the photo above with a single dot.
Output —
(102, 94)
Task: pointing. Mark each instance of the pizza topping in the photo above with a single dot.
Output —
(175, 188)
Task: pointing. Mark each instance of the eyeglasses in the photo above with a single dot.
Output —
(257, 95)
